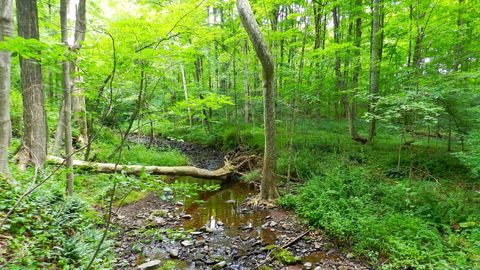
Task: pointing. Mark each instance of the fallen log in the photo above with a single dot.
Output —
(222, 173)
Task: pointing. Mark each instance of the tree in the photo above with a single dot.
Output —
(375, 60)
(34, 141)
(6, 29)
(67, 99)
(268, 189)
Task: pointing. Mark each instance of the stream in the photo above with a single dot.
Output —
(215, 230)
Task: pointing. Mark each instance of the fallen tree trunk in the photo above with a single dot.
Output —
(222, 173)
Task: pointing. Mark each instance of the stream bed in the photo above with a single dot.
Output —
(214, 229)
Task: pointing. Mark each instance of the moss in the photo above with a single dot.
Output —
(284, 256)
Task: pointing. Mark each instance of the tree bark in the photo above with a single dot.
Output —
(6, 30)
(375, 62)
(67, 99)
(222, 173)
(34, 143)
(79, 111)
(268, 188)
(185, 90)
(247, 102)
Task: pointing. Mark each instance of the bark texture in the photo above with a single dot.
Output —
(34, 143)
(268, 188)
(375, 61)
(6, 30)
(222, 173)
(67, 100)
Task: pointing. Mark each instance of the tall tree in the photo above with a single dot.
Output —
(34, 142)
(6, 29)
(67, 99)
(268, 189)
(376, 45)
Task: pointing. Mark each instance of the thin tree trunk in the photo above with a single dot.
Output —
(34, 143)
(375, 62)
(67, 99)
(185, 89)
(247, 102)
(6, 30)
(268, 188)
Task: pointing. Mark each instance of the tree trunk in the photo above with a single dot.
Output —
(247, 102)
(222, 173)
(34, 144)
(6, 30)
(268, 189)
(79, 111)
(375, 62)
(185, 89)
(67, 99)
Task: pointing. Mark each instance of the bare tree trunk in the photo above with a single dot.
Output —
(79, 111)
(6, 30)
(185, 89)
(57, 144)
(67, 99)
(247, 102)
(268, 189)
(34, 144)
(375, 62)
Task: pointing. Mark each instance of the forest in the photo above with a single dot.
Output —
(240, 134)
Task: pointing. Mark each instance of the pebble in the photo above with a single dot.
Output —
(200, 242)
(350, 255)
(173, 252)
(307, 265)
(149, 265)
(186, 216)
(219, 265)
(187, 243)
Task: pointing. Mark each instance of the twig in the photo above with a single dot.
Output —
(296, 239)
(106, 228)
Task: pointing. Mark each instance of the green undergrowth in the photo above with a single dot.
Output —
(48, 230)
(395, 223)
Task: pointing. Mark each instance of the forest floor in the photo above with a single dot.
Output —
(217, 230)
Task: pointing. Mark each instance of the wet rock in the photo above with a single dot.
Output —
(187, 243)
(199, 256)
(200, 242)
(307, 265)
(150, 265)
(173, 253)
(220, 265)
(186, 216)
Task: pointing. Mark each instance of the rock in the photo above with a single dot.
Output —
(318, 268)
(159, 221)
(179, 203)
(350, 255)
(200, 242)
(219, 223)
(231, 201)
(186, 216)
(159, 213)
(199, 256)
(219, 265)
(307, 265)
(273, 223)
(187, 243)
(317, 245)
(150, 265)
(196, 233)
(173, 253)
(209, 229)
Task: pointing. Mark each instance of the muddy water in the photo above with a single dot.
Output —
(221, 210)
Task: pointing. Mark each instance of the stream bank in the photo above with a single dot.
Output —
(215, 230)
